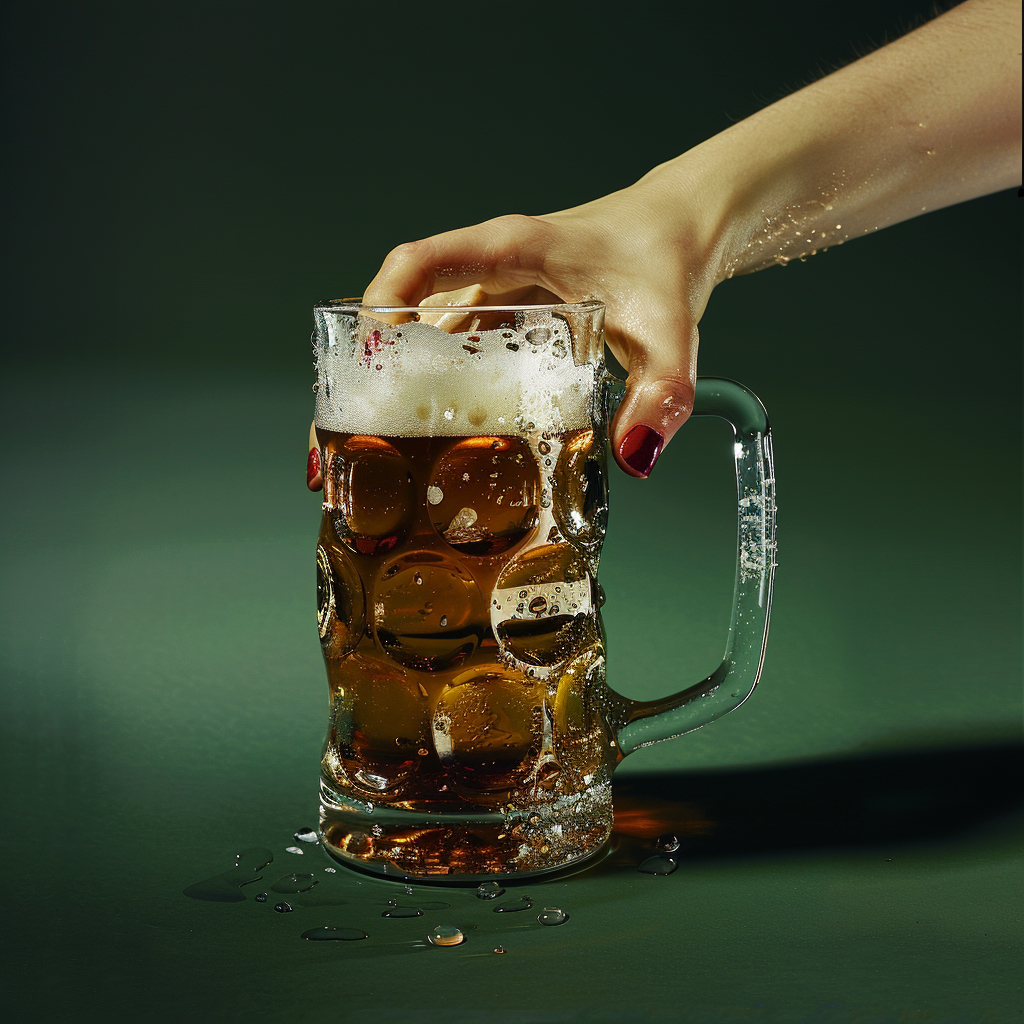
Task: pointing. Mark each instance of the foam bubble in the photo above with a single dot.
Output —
(415, 379)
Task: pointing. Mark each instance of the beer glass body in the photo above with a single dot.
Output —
(464, 456)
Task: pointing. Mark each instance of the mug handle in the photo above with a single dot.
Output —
(642, 722)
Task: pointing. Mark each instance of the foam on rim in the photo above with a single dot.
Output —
(416, 380)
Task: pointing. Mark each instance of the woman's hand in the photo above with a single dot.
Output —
(929, 120)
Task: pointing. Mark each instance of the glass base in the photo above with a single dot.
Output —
(466, 846)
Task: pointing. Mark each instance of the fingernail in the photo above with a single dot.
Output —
(312, 467)
(640, 449)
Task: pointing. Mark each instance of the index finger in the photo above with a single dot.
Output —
(500, 255)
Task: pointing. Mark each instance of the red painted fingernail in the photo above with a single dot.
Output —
(640, 449)
(312, 467)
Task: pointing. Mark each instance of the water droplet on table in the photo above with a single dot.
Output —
(295, 883)
(332, 871)
(489, 891)
(445, 935)
(403, 912)
(223, 888)
(552, 916)
(283, 908)
(261, 897)
(306, 835)
(658, 866)
(523, 903)
(328, 933)
(499, 949)
(294, 849)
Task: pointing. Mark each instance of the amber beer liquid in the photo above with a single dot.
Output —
(458, 604)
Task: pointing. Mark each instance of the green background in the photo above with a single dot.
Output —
(181, 183)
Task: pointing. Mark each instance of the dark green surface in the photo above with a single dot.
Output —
(183, 184)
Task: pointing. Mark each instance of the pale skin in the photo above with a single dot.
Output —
(930, 120)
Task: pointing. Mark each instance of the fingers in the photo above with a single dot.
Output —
(499, 256)
(314, 476)
(658, 401)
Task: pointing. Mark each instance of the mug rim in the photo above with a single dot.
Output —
(357, 306)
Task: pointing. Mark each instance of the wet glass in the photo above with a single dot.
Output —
(464, 453)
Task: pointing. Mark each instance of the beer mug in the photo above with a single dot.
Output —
(472, 733)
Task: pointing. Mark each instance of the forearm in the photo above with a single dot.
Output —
(930, 120)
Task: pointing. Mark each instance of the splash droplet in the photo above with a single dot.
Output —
(667, 843)
(435, 495)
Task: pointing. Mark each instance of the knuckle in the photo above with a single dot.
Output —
(405, 254)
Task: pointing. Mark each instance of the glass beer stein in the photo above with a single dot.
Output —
(464, 458)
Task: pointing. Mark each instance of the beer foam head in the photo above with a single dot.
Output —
(415, 379)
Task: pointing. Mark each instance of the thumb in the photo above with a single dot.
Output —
(658, 401)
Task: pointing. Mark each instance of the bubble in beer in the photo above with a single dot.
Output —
(307, 835)
(295, 883)
(328, 933)
(421, 641)
(658, 866)
(538, 335)
(445, 935)
(483, 727)
(369, 494)
(489, 891)
(494, 479)
(435, 495)
(552, 916)
(283, 908)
